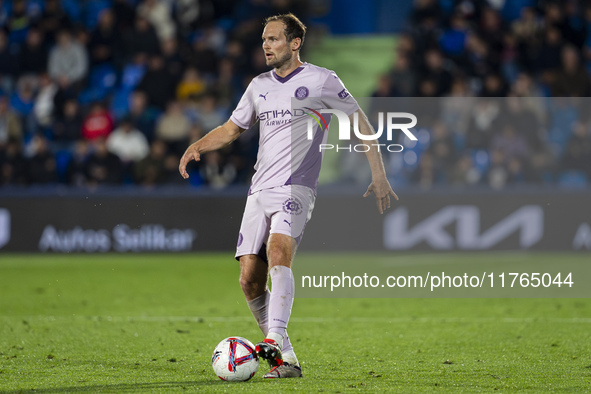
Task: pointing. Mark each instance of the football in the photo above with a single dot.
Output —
(234, 359)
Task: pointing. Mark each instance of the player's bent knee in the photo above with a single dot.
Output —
(253, 276)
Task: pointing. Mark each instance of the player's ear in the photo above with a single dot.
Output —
(296, 43)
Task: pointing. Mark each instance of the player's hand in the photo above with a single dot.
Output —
(192, 153)
(382, 189)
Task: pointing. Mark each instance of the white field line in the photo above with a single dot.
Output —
(296, 319)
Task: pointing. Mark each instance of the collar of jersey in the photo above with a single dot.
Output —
(290, 75)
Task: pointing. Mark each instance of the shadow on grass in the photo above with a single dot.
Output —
(142, 387)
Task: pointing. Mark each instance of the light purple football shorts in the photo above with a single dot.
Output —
(284, 210)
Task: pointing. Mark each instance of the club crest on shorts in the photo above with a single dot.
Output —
(302, 92)
(240, 239)
(293, 206)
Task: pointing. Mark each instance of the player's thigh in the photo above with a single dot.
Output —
(290, 208)
(254, 229)
(290, 211)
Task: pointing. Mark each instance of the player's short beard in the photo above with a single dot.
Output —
(279, 62)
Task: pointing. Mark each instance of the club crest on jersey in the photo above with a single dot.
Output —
(302, 92)
(293, 206)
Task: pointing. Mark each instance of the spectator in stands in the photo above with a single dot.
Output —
(404, 77)
(453, 40)
(227, 84)
(491, 26)
(209, 115)
(217, 172)
(10, 125)
(200, 56)
(33, 55)
(104, 40)
(425, 174)
(173, 62)
(128, 143)
(435, 70)
(140, 115)
(7, 63)
(464, 172)
(549, 56)
(497, 175)
(385, 88)
(13, 165)
(42, 165)
(102, 166)
(572, 80)
(150, 170)
(511, 143)
(22, 101)
(191, 86)
(77, 166)
(479, 60)
(527, 28)
(124, 15)
(494, 86)
(442, 150)
(142, 39)
(158, 13)
(524, 120)
(97, 124)
(577, 154)
(53, 19)
(484, 121)
(67, 129)
(19, 22)
(157, 83)
(173, 128)
(68, 61)
(43, 107)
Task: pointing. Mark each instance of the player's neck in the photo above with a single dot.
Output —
(287, 68)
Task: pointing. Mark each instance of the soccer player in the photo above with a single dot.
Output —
(283, 188)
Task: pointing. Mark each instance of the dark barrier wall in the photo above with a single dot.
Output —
(429, 221)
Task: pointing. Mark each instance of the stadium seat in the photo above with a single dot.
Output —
(102, 80)
(92, 11)
(481, 160)
(572, 180)
(120, 103)
(62, 160)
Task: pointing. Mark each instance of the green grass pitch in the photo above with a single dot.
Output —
(148, 323)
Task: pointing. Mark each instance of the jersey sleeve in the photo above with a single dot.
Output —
(244, 115)
(335, 95)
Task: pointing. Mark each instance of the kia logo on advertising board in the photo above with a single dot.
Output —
(527, 221)
(4, 226)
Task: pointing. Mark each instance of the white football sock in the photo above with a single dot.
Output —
(280, 303)
(259, 308)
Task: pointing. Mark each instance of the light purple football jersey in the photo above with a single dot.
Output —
(287, 157)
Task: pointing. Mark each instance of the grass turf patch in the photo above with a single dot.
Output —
(150, 322)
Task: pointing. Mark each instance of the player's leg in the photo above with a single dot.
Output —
(280, 251)
(287, 226)
(253, 281)
(251, 252)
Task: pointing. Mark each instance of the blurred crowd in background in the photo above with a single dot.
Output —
(111, 92)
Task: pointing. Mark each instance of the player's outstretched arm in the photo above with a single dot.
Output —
(217, 138)
(379, 182)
